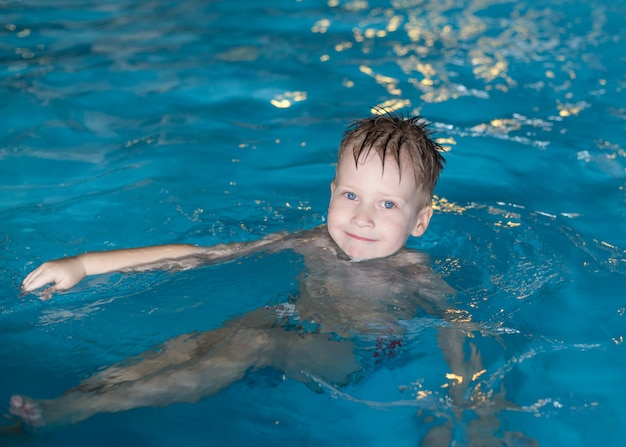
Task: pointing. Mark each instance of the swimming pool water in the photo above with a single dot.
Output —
(132, 123)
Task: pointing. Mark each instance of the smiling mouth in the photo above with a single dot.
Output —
(359, 238)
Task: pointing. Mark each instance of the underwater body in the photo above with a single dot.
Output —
(133, 123)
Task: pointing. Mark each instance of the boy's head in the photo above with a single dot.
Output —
(386, 173)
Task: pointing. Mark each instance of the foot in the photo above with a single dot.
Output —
(28, 410)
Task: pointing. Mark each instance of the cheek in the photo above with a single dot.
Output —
(332, 218)
(331, 211)
(400, 228)
(335, 211)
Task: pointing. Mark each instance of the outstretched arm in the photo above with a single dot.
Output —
(67, 272)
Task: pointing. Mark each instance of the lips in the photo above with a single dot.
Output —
(359, 238)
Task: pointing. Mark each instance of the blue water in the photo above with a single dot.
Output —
(136, 123)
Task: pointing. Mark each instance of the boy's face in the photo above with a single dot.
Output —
(372, 212)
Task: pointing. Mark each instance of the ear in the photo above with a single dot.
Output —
(423, 219)
(332, 187)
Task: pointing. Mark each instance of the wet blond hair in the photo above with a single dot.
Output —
(392, 135)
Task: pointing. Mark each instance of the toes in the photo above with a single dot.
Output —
(17, 402)
(26, 409)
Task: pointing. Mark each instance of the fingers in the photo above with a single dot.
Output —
(44, 294)
(30, 277)
(37, 279)
(60, 274)
(47, 273)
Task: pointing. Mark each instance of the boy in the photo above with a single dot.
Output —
(360, 282)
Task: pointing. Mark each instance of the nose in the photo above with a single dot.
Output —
(362, 217)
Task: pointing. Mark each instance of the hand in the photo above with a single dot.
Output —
(61, 273)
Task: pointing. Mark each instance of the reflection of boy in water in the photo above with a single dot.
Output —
(381, 194)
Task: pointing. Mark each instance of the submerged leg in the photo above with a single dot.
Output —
(178, 382)
(176, 352)
(191, 367)
(466, 365)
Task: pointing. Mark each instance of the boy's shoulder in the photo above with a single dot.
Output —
(317, 237)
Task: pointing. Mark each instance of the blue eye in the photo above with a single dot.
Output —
(387, 204)
(350, 195)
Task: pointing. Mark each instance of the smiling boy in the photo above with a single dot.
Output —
(381, 194)
(375, 208)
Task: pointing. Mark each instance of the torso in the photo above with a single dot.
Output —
(359, 298)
